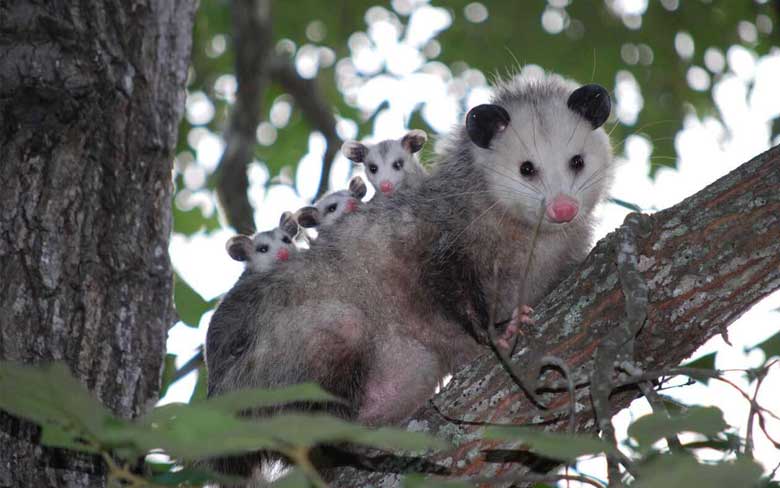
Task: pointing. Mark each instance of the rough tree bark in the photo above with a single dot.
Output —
(704, 262)
(91, 94)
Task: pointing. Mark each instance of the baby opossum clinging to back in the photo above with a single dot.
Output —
(261, 251)
(328, 209)
(400, 294)
(390, 165)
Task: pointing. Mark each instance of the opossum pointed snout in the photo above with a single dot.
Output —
(562, 209)
(386, 187)
(283, 254)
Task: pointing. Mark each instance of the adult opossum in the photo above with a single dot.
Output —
(400, 293)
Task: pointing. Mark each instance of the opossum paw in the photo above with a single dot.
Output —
(521, 316)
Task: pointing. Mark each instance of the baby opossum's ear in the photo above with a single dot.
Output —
(483, 122)
(239, 247)
(288, 224)
(357, 187)
(354, 151)
(308, 217)
(414, 140)
(592, 103)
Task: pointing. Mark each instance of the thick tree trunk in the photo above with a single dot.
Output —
(91, 94)
(701, 264)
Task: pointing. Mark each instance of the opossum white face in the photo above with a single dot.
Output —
(329, 209)
(542, 148)
(264, 249)
(387, 163)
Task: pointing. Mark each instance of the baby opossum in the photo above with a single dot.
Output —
(401, 293)
(328, 209)
(390, 164)
(261, 251)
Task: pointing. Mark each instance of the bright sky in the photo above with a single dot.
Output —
(707, 148)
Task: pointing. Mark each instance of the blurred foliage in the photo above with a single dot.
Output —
(71, 418)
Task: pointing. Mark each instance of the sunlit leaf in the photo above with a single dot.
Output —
(685, 472)
(771, 346)
(705, 362)
(189, 304)
(237, 401)
(648, 429)
(565, 447)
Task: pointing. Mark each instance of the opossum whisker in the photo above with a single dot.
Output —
(510, 177)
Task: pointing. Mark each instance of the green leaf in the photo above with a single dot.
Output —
(189, 304)
(51, 397)
(237, 401)
(421, 481)
(191, 221)
(565, 447)
(200, 392)
(308, 430)
(684, 472)
(705, 362)
(651, 428)
(169, 372)
(771, 346)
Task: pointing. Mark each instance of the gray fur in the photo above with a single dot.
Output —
(399, 293)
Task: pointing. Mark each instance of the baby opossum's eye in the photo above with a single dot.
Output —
(398, 164)
(373, 168)
(262, 248)
(286, 240)
(576, 163)
(528, 169)
(331, 208)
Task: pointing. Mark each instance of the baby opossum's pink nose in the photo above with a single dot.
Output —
(562, 209)
(352, 205)
(283, 254)
(386, 187)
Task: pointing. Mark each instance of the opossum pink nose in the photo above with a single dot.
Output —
(562, 209)
(386, 187)
(283, 254)
(352, 205)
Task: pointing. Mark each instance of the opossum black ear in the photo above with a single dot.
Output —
(414, 140)
(483, 122)
(357, 187)
(308, 217)
(239, 247)
(354, 151)
(288, 224)
(592, 103)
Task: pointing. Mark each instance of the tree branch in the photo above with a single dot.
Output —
(252, 31)
(704, 262)
(316, 109)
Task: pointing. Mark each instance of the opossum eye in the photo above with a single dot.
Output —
(262, 248)
(372, 168)
(398, 164)
(527, 169)
(576, 163)
(286, 240)
(331, 208)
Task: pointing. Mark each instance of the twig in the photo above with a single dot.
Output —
(252, 29)
(315, 107)
(752, 415)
